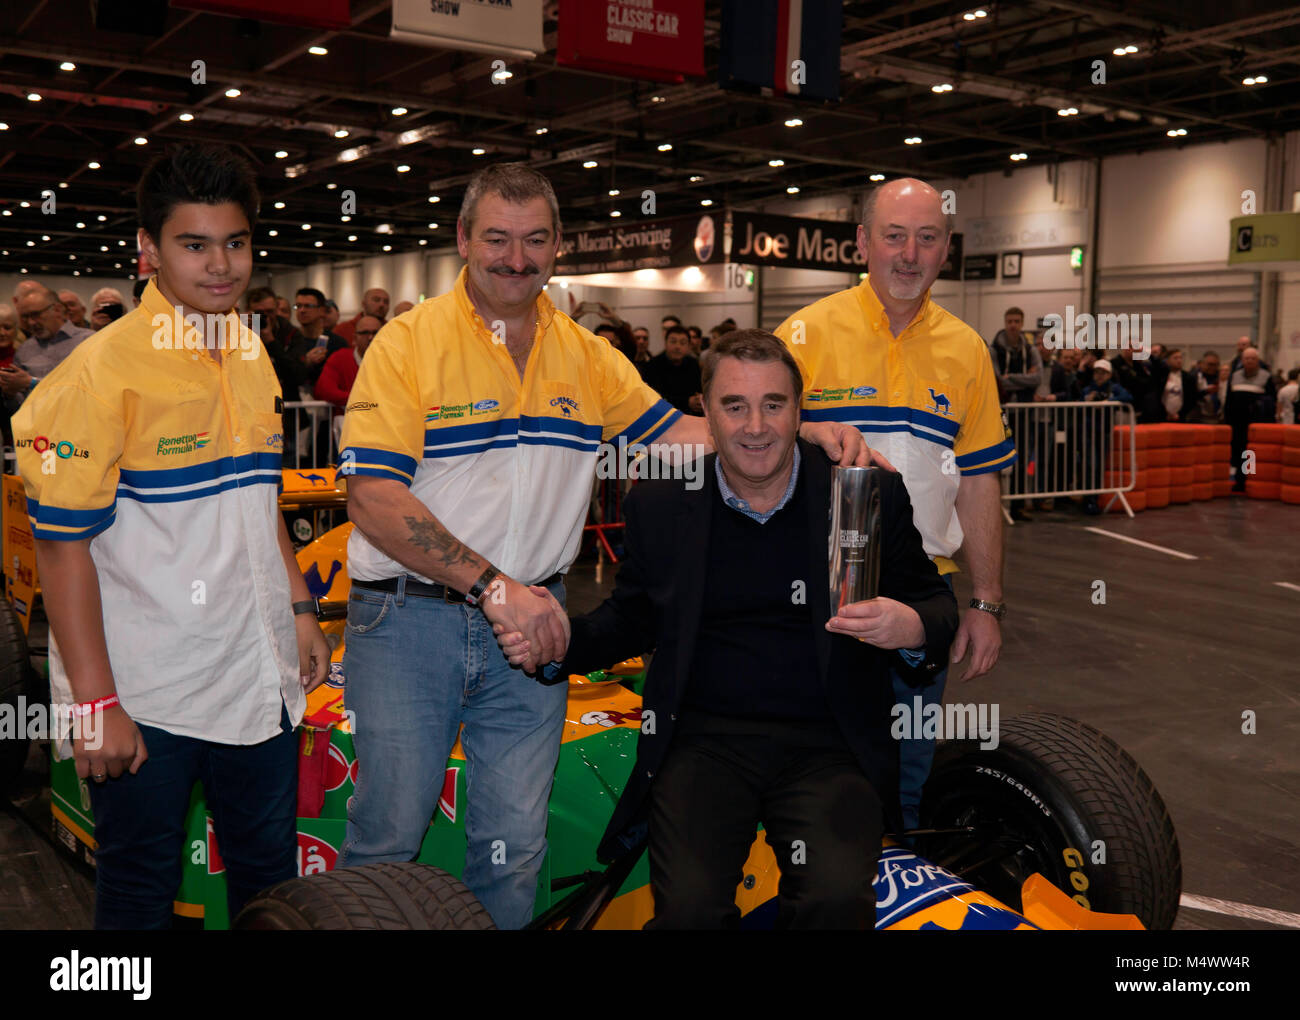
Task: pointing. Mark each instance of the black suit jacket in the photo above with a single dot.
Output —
(657, 601)
(1159, 376)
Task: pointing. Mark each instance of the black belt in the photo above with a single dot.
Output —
(425, 590)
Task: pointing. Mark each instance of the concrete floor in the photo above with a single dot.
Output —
(1166, 667)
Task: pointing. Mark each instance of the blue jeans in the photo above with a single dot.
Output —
(416, 668)
(916, 756)
(251, 790)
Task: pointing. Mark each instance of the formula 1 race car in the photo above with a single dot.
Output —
(1057, 827)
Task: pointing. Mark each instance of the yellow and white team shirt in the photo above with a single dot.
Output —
(505, 464)
(926, 399)
(170, 463)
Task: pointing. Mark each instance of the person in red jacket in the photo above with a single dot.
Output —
(340, 368)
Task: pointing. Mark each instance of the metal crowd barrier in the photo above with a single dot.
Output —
(310, 439)
(1072, 448)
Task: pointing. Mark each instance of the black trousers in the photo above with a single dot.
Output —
(724, 776)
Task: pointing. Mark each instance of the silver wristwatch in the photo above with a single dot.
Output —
(998, 609)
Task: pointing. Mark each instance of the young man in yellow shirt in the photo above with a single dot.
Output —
(183, 635)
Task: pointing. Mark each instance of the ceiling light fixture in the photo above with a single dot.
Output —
(794, 122)
(233, 93)
(792, 190)
(67, 65)
(317, 51)
(913, 140)
(666, 147)
(187, 117)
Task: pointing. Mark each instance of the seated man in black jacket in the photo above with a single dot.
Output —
(759, 707)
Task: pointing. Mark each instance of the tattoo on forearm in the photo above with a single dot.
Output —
(432, 537)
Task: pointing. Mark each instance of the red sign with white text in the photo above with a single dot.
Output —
(313, 13)
(662, 40)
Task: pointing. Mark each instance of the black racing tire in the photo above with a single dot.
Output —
(374, 897)
(1061, 798)
(17, 680)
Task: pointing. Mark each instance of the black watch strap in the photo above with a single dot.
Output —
(308, 606)
(475, 595)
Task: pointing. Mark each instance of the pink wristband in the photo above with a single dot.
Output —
(98, 705)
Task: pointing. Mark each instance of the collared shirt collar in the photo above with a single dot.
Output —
(736, 503)
(153, 304)
(875, 311)
(544, 307)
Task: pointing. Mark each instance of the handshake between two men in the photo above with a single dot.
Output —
(535, 631)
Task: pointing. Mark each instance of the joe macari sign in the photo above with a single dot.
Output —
(652, 244)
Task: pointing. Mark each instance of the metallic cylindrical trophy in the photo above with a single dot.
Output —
(854, 535)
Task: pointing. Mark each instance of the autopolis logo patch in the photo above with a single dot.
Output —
(168, 445)
(62, 448)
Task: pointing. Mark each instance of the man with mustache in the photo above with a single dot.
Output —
(887, 359)
(469, 449)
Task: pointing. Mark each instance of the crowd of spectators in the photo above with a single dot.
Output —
(315, 356)
(1161, 389)
(674, 373)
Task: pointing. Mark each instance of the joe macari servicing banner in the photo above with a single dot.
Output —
(656, 244)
